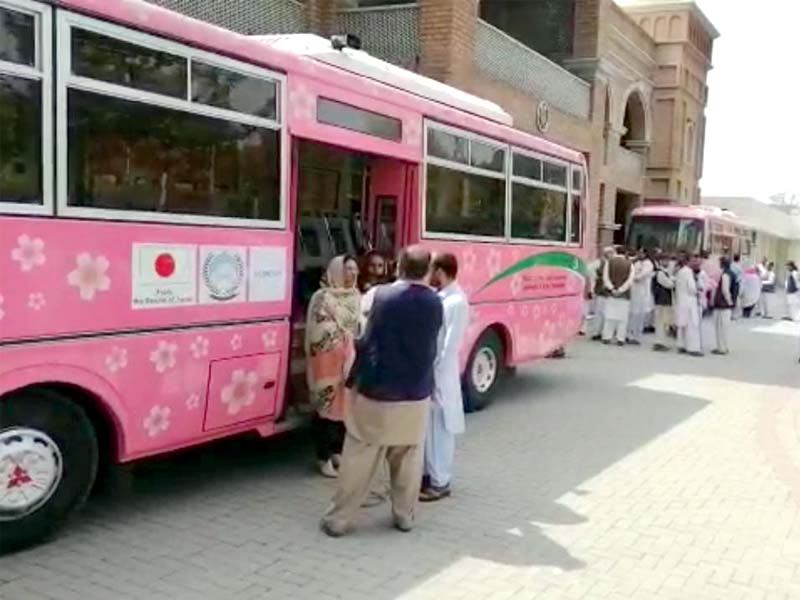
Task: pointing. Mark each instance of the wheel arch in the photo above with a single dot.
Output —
(502, 330)
(92, 393)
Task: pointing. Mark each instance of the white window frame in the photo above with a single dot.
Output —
(464, 168)
(581, 193)
(526, 181)
(41, 72)
(66, 80)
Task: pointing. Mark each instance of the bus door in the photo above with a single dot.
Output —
(390, 197)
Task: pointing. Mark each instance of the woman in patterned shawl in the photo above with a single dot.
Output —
(331, 327)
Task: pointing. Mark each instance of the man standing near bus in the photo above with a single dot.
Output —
(599, 294)
(724, 301)
(393, 380)
(617, 279)
(687, 307)
(447, 405)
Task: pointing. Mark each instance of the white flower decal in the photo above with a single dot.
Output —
(240, 392)
(36, 301)
(525, 310)
(303, 103)
(157, 421)
(236, 342)
(163, 357)
(193, 402)
(270, 338)
(117, 359)
(199, 347)
(516, 285)
(29, 253)
(90, 275)
(468, 260)
(2, 312)
(511, 310)
(412, 131)
(493, 262)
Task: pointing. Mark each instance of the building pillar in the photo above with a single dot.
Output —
(447, 36)
(322, 17)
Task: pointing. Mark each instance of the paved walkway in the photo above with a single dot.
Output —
(613, 474)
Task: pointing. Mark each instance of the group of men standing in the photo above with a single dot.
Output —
(672, 293)
(405, 407)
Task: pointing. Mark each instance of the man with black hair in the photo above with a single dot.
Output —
(447, 405)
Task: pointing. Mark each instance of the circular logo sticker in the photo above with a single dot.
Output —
(223, 275)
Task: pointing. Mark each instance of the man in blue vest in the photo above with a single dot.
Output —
(393, 380)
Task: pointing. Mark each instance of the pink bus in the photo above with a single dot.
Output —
(692, 229)
(169, 195)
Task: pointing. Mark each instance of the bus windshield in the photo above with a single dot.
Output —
(668, 233)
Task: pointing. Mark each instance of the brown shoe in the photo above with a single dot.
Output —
(433, 493)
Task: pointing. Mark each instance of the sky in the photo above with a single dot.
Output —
(753, 113)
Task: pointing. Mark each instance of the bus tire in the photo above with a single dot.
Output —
(47, 444)
(484, 369)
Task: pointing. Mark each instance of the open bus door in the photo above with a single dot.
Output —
(347, 202)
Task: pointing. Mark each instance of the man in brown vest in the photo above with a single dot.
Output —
(599, 293)
(617, 279)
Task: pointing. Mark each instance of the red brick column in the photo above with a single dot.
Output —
(322, 17)
(447, 33)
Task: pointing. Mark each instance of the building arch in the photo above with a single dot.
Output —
(661, 30)
(675, 28)
(635, 118)
(646, 25)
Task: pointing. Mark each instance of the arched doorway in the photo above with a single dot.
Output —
(635, 121)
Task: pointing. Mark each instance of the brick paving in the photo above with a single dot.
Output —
(613, 474)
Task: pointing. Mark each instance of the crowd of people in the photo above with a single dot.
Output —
(384, 379)
(632, 291)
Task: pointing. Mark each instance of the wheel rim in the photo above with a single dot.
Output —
(30, 471)
(484, 369)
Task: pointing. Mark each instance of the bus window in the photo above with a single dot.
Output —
(669, 234)
(25, 133)
(539, 204)
(202, 142)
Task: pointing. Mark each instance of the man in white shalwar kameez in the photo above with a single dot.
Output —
(447, 405)
(641, 297)
(687, 310)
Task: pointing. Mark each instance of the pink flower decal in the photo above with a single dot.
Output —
(2, 312)
(468, 260)
(199, 347)
(493, 262)
(193, 402)
(236, 342)
(269, 338)
(240, 392)
(117, 359)
(90, 275)
(516, 285)
(163, 357)
(157, 421)
(29, 253)
(525, 310)
(36, 301)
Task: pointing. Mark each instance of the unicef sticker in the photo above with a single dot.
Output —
(223, 272)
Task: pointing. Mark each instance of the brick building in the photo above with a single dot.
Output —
(624, 81)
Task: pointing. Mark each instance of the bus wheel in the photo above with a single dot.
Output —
(48, 463)
(484, 368)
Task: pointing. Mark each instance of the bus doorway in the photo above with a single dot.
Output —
(347, 202)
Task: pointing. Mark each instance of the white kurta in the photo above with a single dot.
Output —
(793, 300)
(447, 406)
(447, 371)
(687, 311)
(642, 290)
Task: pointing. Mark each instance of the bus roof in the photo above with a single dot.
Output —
(686, 212)
(393, 84)
(356, 61)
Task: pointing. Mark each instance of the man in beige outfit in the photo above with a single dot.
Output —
(393, 381)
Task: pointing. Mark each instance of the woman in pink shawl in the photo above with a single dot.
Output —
(331, 327)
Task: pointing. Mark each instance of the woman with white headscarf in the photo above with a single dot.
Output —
(331, 328)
